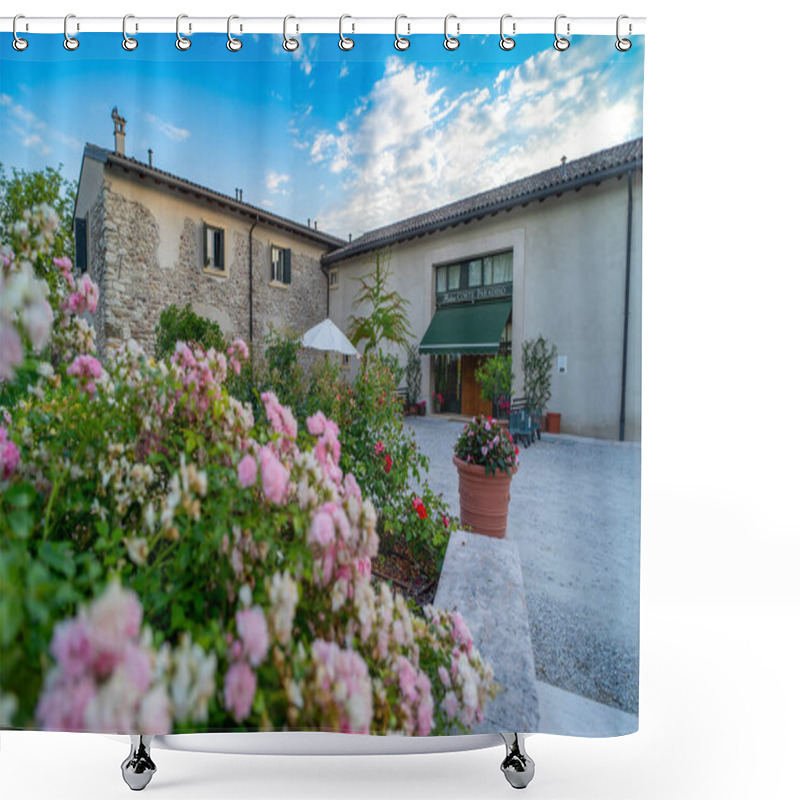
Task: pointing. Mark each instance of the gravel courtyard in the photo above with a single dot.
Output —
(575, 517)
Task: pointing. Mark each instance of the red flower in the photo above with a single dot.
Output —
(445, 520)
(387, 466)
(516, 450)
(379, 448)
(419, 507)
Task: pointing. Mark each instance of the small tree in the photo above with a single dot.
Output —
(538, 357)
(413, 374)
(496, 378)
(183, 325)
(387, 320)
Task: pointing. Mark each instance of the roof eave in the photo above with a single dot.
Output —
(184, 187)
(344, 253)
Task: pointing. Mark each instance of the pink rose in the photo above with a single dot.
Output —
(251, 625)
(274, 476)
(240, 689)
(248, 471)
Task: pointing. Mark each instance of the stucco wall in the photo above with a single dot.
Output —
(569, 283)
(149, 254)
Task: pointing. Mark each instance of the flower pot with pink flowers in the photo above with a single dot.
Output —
(486, 459)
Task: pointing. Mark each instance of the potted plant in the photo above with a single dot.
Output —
(486, 459)
(538, 358)
(421, 406)
(496, 378)
(438, 402)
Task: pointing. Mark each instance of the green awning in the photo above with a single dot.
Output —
(475, 328)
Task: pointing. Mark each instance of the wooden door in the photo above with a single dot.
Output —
(472, 403)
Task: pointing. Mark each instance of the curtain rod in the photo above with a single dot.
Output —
(631, 26)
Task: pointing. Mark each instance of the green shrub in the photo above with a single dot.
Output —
(496, 379)
(538, 357)
(183, 325)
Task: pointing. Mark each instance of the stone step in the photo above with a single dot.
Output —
(482, 579)
(567, 713)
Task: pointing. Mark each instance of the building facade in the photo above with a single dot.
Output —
(151, 239)
(556, 254)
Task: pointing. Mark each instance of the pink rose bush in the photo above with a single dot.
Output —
(173, 561)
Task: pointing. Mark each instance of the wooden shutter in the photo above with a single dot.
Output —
(81, 255)
(287, 265)
(205, 246)
(221, 261)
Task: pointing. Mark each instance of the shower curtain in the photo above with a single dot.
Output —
(216, 517)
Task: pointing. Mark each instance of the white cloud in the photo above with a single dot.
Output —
(413, 144)
(34, 132)
(170, 130)
(275, 181)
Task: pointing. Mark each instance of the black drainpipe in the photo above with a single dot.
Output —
(627, 306)
(250, 242)
(327, 290)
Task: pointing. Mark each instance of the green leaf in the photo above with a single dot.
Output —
(21, 523)
(21, 495)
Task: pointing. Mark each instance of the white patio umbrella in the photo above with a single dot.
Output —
(326, 336)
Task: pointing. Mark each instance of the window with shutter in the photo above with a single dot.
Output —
(81, 245)
(280, 270)
(213, 248)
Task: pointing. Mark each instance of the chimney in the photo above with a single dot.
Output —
(119, 132)
(563, 166)
(309, 222)
(350, 237)
(150, 157)
(315, 224)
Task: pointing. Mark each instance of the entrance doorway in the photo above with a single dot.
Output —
(472, 404)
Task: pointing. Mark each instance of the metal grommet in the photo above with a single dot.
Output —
(289, 44)
(233, 44)
(70, 42)
(181, 42)
(506, 42)
(345, 43)
(19, 44)
(623, 45)
(400, 42)
(128, 42)
(561, 43)
(450, 42)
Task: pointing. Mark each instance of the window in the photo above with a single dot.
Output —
(81, 245)
(333, 279)
(453, 277)
(213, 248)
(280, 270)
(477, 272)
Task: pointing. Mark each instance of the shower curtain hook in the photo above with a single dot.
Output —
(233, 44)
(623, 45)
(128, 42)
(289, 44)
(451, 42)
(400, 42)
(561, 43)
(507, 42)
(182, 43)
(70, 42)
(19, 44)
(345, 43)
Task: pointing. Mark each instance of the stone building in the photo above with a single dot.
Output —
(557, 254)
(150, 239)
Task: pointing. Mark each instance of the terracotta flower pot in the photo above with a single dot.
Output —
(484, 498)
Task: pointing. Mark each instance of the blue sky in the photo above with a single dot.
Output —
(353, 139)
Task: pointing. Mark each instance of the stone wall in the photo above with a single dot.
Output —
(135, 286)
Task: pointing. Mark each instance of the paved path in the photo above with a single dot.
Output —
(574, 516)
